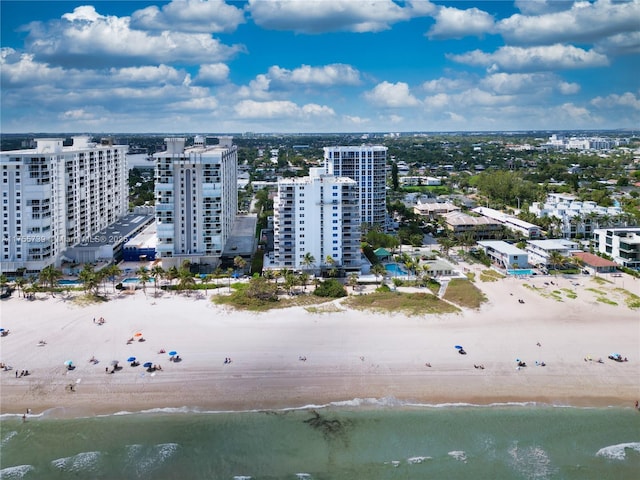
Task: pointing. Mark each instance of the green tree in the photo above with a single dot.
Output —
(308, 261)
(556, 259)
(49, 276)
(113, 272)
(378, 270)
(240, 263)
(185, 279)
(157, 273)
(143, 276)
(90, 280)
(352, 281)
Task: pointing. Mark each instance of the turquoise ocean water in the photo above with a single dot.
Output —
(355, 440)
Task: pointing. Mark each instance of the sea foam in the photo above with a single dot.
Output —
(82, 462)
(619, 451)
(532, 462)
(18, 471)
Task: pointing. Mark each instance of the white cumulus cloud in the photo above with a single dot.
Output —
(317, 16)
(251, 109)
(213, 73)
(392, 95)
(583, 22)
(529, 59)
(626, 100)
(327, 75)
(454, 23)
(87, 39)
(209, 16)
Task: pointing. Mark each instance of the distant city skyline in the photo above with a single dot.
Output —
(327, 66)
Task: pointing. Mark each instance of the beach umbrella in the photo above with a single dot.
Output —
(68, 363)
(114, 363)
(148, 364)
(137, 334)
(458, 347)
(1, 329)
(131, 359)
(172, 353)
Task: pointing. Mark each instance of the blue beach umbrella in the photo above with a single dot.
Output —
(458, 347)
(147, 365)
(68, 363)
(1, 329)
(172, 353)
(131, 359)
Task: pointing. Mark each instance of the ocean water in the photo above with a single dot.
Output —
(353, 440)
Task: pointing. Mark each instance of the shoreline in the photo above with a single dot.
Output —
(351, 354)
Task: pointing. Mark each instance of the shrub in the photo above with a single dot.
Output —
(330, 288)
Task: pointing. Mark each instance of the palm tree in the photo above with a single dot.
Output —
(89, 279)
(19, 283)
(143, 277)
(379, 271)
(229, 273)
(240, 263)
(352, 281)
(308, 260)
(172, 273)
(446, 244)
(304, 280)
(555, 259)
(112, 272)
(157, 272)
(185, 279)
(50, 275)
(332, 271)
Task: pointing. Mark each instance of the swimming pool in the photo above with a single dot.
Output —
(395, 270)
(131, 280)
(69, 282)
(520, 271)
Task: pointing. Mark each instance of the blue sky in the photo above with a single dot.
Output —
(319, 66)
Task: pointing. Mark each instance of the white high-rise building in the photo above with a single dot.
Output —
(366, 164)
(196, 200)
(316, 215)
(55, 197)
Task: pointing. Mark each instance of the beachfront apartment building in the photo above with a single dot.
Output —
(540, 251)
(504, 254)
(575, 217)
(460, 223)
(514, 224)
(621, 244)
(56, 197)
(196, 200)
(317, 216)
(366, 164)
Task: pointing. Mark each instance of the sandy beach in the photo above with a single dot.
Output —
(349, 354)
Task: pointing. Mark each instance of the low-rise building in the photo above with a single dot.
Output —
(433, 210)
(480, 227)
(621, 244)
(527, 229)
(540, 250)
(595, 264)
(504, 254)
(420, 181)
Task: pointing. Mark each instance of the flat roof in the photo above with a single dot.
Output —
(147, 238)
(243, 237)
(115, 233)
(553, 244)
(503, 247)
